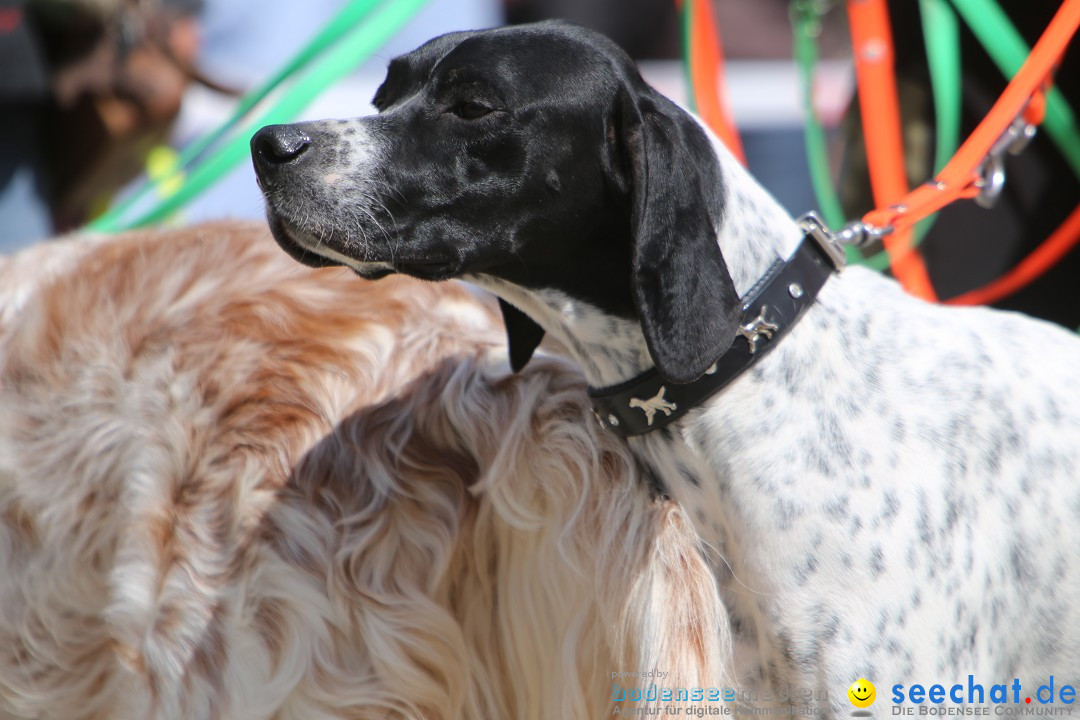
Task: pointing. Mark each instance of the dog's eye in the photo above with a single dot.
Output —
(469, 110)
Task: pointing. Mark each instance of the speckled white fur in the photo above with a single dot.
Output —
(891, 493)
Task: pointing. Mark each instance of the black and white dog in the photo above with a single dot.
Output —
(892, 491)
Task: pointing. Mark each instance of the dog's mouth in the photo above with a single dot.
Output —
(309, 250)
(428, 269)
(301, 252)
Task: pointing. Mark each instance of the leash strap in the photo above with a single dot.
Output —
(704, 63)
(1007, 48)
(1041, 259)
(648, 402)
(941, 32)
(872, 47)
(977, 169)
(806, 20)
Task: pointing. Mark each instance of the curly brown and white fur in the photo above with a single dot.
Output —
(231, 487)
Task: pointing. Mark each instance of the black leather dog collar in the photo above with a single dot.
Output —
(648, 402)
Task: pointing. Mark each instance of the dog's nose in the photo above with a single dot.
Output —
(277, 145)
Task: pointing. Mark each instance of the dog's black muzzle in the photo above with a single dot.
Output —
(276, 148)
(279, 153)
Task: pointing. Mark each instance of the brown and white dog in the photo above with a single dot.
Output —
(232, 487)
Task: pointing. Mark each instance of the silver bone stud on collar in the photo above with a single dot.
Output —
(650, 406)
(758, 328)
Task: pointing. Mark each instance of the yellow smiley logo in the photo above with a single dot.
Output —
(862, 693)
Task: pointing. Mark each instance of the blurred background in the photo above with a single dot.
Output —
(98, 95)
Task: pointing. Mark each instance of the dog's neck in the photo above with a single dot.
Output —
(755, 230)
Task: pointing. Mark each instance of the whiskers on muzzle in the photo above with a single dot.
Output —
(323, 195)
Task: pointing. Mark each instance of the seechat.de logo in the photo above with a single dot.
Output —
(862, 693)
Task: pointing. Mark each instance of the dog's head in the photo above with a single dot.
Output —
(536, 155)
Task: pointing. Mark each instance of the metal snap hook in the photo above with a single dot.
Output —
(1024, 136)
(991, 181)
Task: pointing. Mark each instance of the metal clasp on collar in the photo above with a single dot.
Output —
(992, 170)
(830, 244)
(858, 234)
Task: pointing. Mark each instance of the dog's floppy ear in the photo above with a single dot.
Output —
(685, 299)
(522, 333)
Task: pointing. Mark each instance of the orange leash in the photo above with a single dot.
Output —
(977, 169)
(1030, 268)
(707, 76)
(871, 36)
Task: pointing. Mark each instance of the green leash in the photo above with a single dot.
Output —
(357, 31)
(684, 32)
(806, 25)
(941, 33)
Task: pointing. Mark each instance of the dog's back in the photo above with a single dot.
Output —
(920, 512)
(233, 487)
